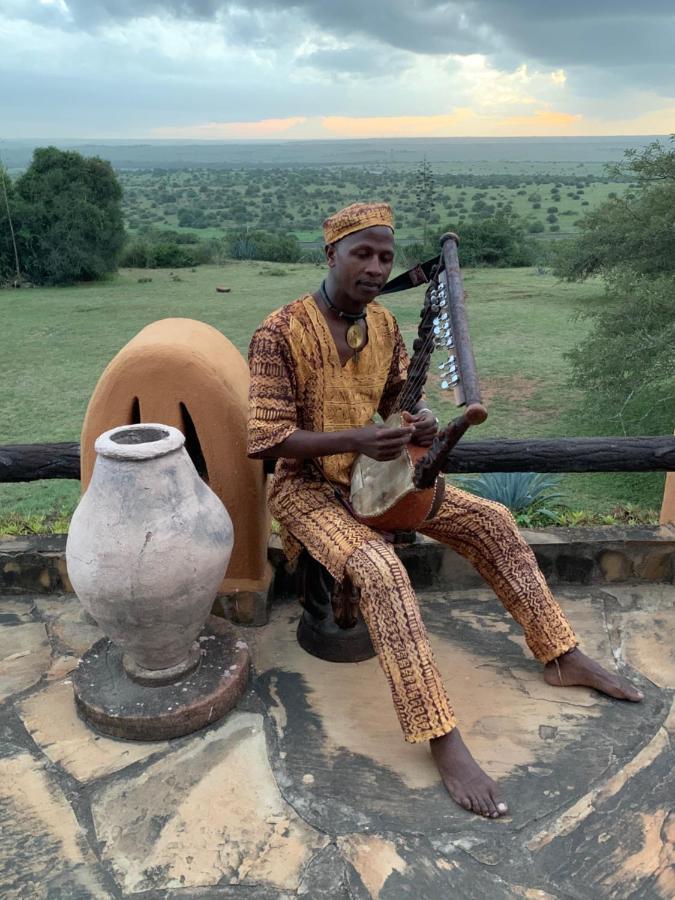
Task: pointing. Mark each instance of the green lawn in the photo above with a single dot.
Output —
(57, 341)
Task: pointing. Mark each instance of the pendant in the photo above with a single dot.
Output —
(356, 336)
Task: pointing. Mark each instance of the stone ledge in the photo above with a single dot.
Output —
(567, 556)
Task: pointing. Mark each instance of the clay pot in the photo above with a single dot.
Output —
(148, 546)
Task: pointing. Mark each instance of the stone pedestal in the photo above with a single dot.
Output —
(111, 701)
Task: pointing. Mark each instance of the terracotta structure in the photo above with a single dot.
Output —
(667, 516)
(147, 549)
(187, 374)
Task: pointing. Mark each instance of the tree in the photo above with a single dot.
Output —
(425, 196)
(625, 363)
(68, 218)
(10, 265)
(497, 240)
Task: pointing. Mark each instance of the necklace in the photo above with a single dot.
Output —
(356, 333)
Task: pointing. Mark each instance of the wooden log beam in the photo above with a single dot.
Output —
(31, 462)
(596, 454)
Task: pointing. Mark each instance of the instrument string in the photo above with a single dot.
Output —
(411, 387)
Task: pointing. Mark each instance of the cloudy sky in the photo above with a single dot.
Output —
(211, 69)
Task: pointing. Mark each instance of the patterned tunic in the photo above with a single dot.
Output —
(298, 382)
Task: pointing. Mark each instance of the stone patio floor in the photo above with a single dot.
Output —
(308, 790)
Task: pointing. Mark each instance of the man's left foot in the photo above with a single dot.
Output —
(575, 668)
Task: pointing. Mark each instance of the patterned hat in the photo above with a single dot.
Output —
(355, 218)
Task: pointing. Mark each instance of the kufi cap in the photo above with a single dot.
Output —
(355, 218)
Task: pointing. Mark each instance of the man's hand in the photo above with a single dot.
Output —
(425, 424)
(382, 443)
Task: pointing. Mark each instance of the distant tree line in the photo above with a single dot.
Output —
(61, 221)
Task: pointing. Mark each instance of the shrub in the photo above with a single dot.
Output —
(515, 490)
(263, 245)
(531, 492)
(154, 251)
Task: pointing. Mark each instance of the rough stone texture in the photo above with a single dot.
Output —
(336, 722)
(642, 630)
(72, 628)
(43, 850)
(566, 555)
(312, 793)
(208, 813)
(52, 721)
(25, 656)
(616, 566)
(36, 564)
(655, 565)
(326, 878)
(247, 607)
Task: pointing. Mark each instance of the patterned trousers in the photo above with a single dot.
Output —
(486, 534)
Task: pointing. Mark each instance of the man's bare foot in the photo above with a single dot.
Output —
(464, 779)
(575, 668)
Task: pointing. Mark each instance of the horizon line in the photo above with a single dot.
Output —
(323, 140)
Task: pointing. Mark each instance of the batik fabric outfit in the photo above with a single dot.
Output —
(298, 382)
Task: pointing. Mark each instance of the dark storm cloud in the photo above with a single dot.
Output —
(599, 33)
(602, 34)
(354, 61)
(404, 24)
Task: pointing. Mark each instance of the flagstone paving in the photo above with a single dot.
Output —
(307, 789)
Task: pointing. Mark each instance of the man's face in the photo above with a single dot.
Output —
(361, 262)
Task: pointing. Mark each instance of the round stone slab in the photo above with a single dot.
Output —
(110, 701)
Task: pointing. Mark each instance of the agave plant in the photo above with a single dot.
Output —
(534, 492)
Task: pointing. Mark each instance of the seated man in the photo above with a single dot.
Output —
(321, 367)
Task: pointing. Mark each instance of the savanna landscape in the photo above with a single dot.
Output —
(193, 225)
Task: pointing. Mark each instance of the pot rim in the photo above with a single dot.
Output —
(167, 440)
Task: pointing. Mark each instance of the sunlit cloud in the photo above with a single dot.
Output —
(461, 122)
(457, 122)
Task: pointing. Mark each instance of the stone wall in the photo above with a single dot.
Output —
(566, 555)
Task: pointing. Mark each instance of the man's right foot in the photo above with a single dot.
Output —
(464, 779)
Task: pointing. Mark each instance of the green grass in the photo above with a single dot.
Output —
(61, 339)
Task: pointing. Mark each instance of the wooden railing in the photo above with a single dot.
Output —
(32, 462)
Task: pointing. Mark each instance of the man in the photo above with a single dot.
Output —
(321, 367)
